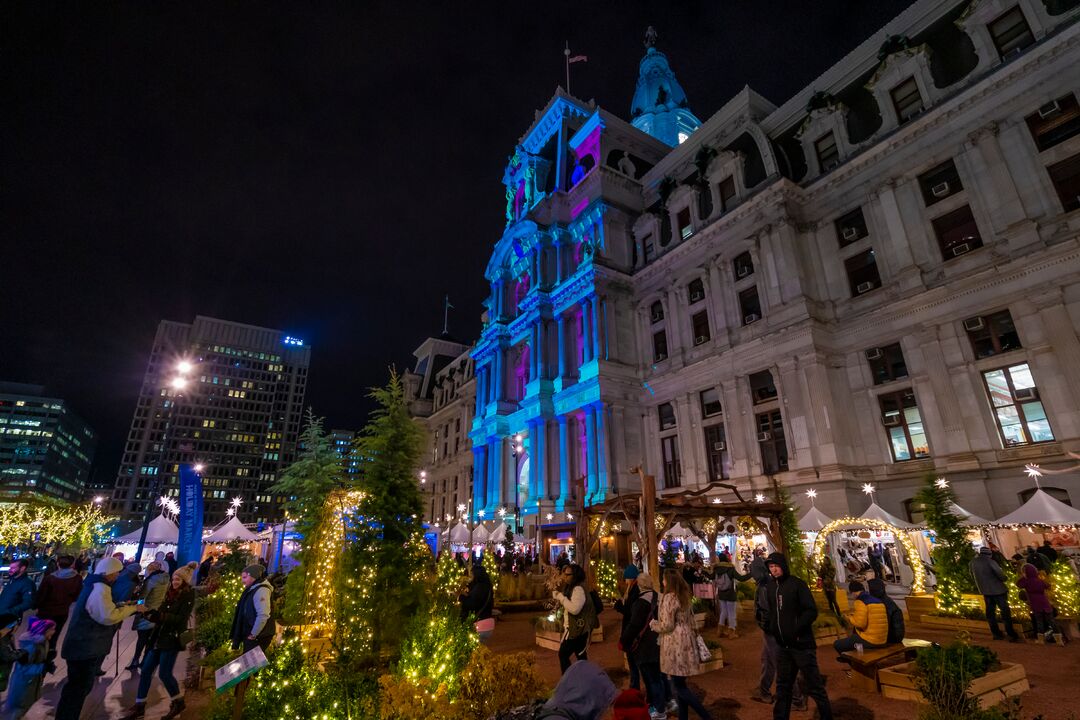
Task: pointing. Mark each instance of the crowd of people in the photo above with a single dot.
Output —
(91, 600)
(1032, 569)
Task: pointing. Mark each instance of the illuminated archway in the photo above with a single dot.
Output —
(918, 585)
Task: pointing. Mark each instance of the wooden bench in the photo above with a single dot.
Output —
(865, 667)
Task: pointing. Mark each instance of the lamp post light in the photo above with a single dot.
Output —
(178, 383)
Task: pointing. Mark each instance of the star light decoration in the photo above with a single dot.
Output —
(869, 489)
(759, 498)
(941, 483)
(812, 494)
(1034, 473)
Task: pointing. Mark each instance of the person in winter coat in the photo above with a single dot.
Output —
(869, 621)
(18, 595)
(24, 686)
(1042, 612)
(479, 600)
(56, 594)
(827, 573)
(170, 562)
(647, 654)
(623, 606)
(170, 619)
(577, 609)
(790, 615)
(678, 642)
(758, 571)
(154, 588)
(990, 582)
(585, 692)
(251, 624)
(124, 587)
(894, 615)
(94, 621)
(1047, 550)
(725, 577)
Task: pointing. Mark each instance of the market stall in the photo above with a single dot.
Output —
(161, 536)
(1041, 518)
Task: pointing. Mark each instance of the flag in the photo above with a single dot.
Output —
(579, 58)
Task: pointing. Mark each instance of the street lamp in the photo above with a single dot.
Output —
(178, 383)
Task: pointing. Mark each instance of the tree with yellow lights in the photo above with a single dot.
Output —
(33, 521)
(952, 552)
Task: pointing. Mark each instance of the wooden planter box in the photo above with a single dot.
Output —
(956, 623)
(919, 605)
(898, 683)
(716, 663)
(1069, 626)
(550, 639)
(699, 620)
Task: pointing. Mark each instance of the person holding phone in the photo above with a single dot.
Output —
(154, 589)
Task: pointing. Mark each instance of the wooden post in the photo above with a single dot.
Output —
(648, 517)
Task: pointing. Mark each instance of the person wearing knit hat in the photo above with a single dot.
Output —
(165, 643)
(251, 621)
(94, 620)
(154, 588)
(28, 673)
(622, 606)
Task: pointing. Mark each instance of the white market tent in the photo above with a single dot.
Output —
(1041, 509)
(967, 519)
(813, 520)
(876, 512)
(231, 530)
(480, 534)
(678, 531)
(498, 535)
(162, 531)
(459, 534)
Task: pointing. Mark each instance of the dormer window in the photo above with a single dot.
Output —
(828, 155)
(906, 100)
(695, 291)
(1011, 32)
(656, 312)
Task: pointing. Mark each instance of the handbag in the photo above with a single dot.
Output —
(705, 591)
(703, 652)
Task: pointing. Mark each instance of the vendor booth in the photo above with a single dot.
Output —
(161, 536)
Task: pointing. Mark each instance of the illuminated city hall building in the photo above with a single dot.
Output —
(875, 281)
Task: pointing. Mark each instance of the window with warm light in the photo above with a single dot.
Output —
(903, 426)
(1018, 409)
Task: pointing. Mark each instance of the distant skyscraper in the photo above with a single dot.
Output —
(45, 448)
(343, 441)
(237, 414)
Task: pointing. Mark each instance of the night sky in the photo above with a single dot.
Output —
(328, 171)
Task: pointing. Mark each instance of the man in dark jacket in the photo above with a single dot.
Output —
(647, 654)
(95, 619)
(790, 616)
(479, 600)
(252, 625)
(990, 582)
(56, 594)
(1047, 550)
(18, 594)
(897, 627)
(623, 606)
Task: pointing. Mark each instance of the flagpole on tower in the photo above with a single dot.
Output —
(566, 54)
(446, 315)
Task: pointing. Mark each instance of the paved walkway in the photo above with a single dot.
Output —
(113, 692)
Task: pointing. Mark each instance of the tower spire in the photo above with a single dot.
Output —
(660, 107)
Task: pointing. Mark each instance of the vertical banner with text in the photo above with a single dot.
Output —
(189, 545)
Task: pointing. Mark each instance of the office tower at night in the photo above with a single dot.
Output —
(45, 448)
(219, 394)
(344, 442)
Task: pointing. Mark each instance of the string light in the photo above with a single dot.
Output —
(918, 586)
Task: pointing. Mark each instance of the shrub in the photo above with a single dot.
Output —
(943, 675)
(214, 612)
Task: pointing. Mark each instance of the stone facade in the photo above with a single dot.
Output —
(876, 281)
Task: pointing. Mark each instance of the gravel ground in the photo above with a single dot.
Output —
(1052, 671)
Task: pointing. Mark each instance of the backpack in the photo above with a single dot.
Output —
(585, 621)
(723, 582)
(896, 622)
(598, 606)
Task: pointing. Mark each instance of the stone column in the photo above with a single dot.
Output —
(991, 176)
(598, 329)
(542, 372)
(717, 292)
(538, 460)
(897, 246)
(603, 487)
(1055, 358)
(563, 351)
(591, 481)
(564, 462)
(535, 350)
(479, 492)
(673, 322)
(588, 331)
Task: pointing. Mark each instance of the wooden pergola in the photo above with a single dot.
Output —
(693, 508)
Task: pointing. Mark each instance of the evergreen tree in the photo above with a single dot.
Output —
(953, 552)
(309, 480)
(789, 530)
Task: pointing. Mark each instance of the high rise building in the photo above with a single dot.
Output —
(875, 281)
(219, 394)
(344, 442)
(45, 448)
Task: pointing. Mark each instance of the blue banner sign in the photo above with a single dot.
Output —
(189, 545)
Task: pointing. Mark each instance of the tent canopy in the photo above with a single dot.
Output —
(459, 534)
(678, 531)
(233, 529)
(875, 512)
(1041, 509)
(813, 520)
(480, 534)
(162, 530)
(967, 519)
(498, 535)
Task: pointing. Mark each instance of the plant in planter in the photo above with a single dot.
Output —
(944, 674)
(607, 579)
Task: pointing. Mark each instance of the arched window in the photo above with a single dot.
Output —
(1056, 493)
